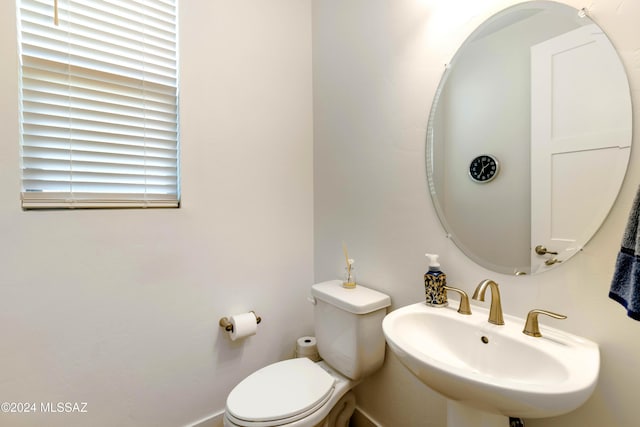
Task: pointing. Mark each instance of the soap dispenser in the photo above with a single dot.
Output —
(434, 282)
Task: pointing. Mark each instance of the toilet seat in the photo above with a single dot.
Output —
(280, 393)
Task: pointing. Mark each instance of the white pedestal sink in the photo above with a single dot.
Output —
(491, 372)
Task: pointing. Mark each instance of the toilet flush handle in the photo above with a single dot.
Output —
(312, 300)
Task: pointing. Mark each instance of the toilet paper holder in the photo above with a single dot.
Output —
(224, 322)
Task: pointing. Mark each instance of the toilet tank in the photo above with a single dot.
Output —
(348, 327)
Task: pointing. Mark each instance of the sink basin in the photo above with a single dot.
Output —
(495, 369)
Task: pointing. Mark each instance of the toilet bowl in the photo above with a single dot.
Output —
(303, 393)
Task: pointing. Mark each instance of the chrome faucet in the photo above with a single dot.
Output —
(495, 311)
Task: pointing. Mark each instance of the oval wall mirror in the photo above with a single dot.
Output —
(529, 137)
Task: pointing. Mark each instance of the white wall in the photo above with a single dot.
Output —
(376, 68)
(120, 308)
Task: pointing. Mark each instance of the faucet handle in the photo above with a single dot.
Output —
(464, 307)
(532, 328)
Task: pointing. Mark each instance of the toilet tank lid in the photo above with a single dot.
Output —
(358, 300)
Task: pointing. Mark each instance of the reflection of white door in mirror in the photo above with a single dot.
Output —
(565, 136)
(575, 140)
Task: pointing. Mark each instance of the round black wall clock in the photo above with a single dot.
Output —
(484, 168)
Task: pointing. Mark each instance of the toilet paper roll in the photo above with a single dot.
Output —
(244, 325)
(307, 347)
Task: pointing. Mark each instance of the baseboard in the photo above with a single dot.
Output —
(361, 419)
(214, 420)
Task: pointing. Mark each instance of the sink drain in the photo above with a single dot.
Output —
(484, 339)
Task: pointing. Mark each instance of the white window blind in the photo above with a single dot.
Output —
(99, 94)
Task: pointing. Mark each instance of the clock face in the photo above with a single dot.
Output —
(483, 168)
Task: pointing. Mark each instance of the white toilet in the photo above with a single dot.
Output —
(301, 393)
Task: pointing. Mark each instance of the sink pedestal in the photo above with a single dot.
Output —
(459, 415)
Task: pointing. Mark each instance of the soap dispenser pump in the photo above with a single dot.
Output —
(434, 283)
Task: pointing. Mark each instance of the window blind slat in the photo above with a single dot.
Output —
(99, 63)
(147, 22)
(46, 139)
(39, 24)
(91, 127)
(85, 118)
(99, 96)
(36, 102)
(125, 50)
(121, 145)
(96, 187)
(103, 86)
(103, 179)
(49, 153)
(105, 200)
